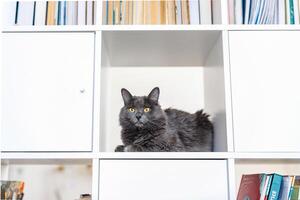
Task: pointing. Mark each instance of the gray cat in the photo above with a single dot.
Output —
(146, 127)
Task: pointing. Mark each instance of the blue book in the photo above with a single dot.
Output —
(292, 14)
(275, 187)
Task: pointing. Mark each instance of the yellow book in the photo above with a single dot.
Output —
(138, 12)
(185, 12)
(154, 12)
(130, 12)
(110, 12)
(170, 12)
(163, 12)
(51, 13)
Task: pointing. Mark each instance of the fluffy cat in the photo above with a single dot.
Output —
(146, 127)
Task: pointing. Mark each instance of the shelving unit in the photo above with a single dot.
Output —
(206, 57)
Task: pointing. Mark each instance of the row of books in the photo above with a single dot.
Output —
(39, 13)
(12, 190)
(264, 11)
(269, 187)
(158, 12)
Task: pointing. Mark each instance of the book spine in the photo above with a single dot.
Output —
(275, 187)
(292, 17)
(268, 187)
(296, 11)
(194, 11)
(34, 13)
(178, 12)
(238, 10)
(81, 13)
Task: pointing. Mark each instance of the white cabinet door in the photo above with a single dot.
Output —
(163, 179)
(265, 73)
(47, 91)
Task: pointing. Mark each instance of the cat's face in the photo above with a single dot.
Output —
(141, 111)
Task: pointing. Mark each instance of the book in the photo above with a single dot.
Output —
(81, 13)
(178, 12)
(90, 13)
(123, 12)
(264, 187)
(250, 187)
(296, 11)
(51, 8)
(171, 12)
(71, 13)
(281, 11)
(110, 5)
(185, 18)
(205, 12)
(9, 14)
(232, 11)
(11, 190)
(163, 19)
(40, 13)
(275, 187)
(138, 12)
(296, 189)
(116, 11)
(25, 11)
(285, 187)
(194, 12)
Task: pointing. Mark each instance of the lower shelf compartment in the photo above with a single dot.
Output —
(268, 166)
(52, 180)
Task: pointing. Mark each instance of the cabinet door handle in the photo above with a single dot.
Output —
(82, 91)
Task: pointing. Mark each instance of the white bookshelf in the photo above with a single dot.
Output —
(206, 59)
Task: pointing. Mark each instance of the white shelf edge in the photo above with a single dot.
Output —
(91, 28)
(150, 155)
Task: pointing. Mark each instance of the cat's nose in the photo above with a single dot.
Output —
(138, 116)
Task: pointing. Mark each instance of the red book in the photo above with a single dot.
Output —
(250, 187)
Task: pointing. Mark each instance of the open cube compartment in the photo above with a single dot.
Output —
(186, 65)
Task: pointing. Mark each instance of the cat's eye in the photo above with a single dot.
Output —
(146, 109)
(131, 109)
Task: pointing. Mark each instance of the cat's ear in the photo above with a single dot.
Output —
(126, 96)
(154, 94)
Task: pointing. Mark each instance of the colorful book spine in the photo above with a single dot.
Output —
(275, 187)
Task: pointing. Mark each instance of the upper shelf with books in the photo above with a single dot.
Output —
(175, 12)
(264, 12)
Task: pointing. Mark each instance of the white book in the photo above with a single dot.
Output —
(296, 11)
(252, 11)
(178, 12)
(25, 13)
(194, 11)
(71, 13)
(40, 13)
(247, 11)
(81, 13)
(205, 12)
(94, 12)
(238, 11)
(261, 12)
(89, 13)
(9, 13)
(231, 11)
(123, 12)
(287, 10)
(281, 11)
(216, 14)
(56, 13)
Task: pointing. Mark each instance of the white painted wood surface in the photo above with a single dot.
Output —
(265, 90)
(47, 91)
(163, 179)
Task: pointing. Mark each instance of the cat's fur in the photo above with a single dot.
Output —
(162, 130)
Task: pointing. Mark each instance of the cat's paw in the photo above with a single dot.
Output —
(120, 148)
(133, 148)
